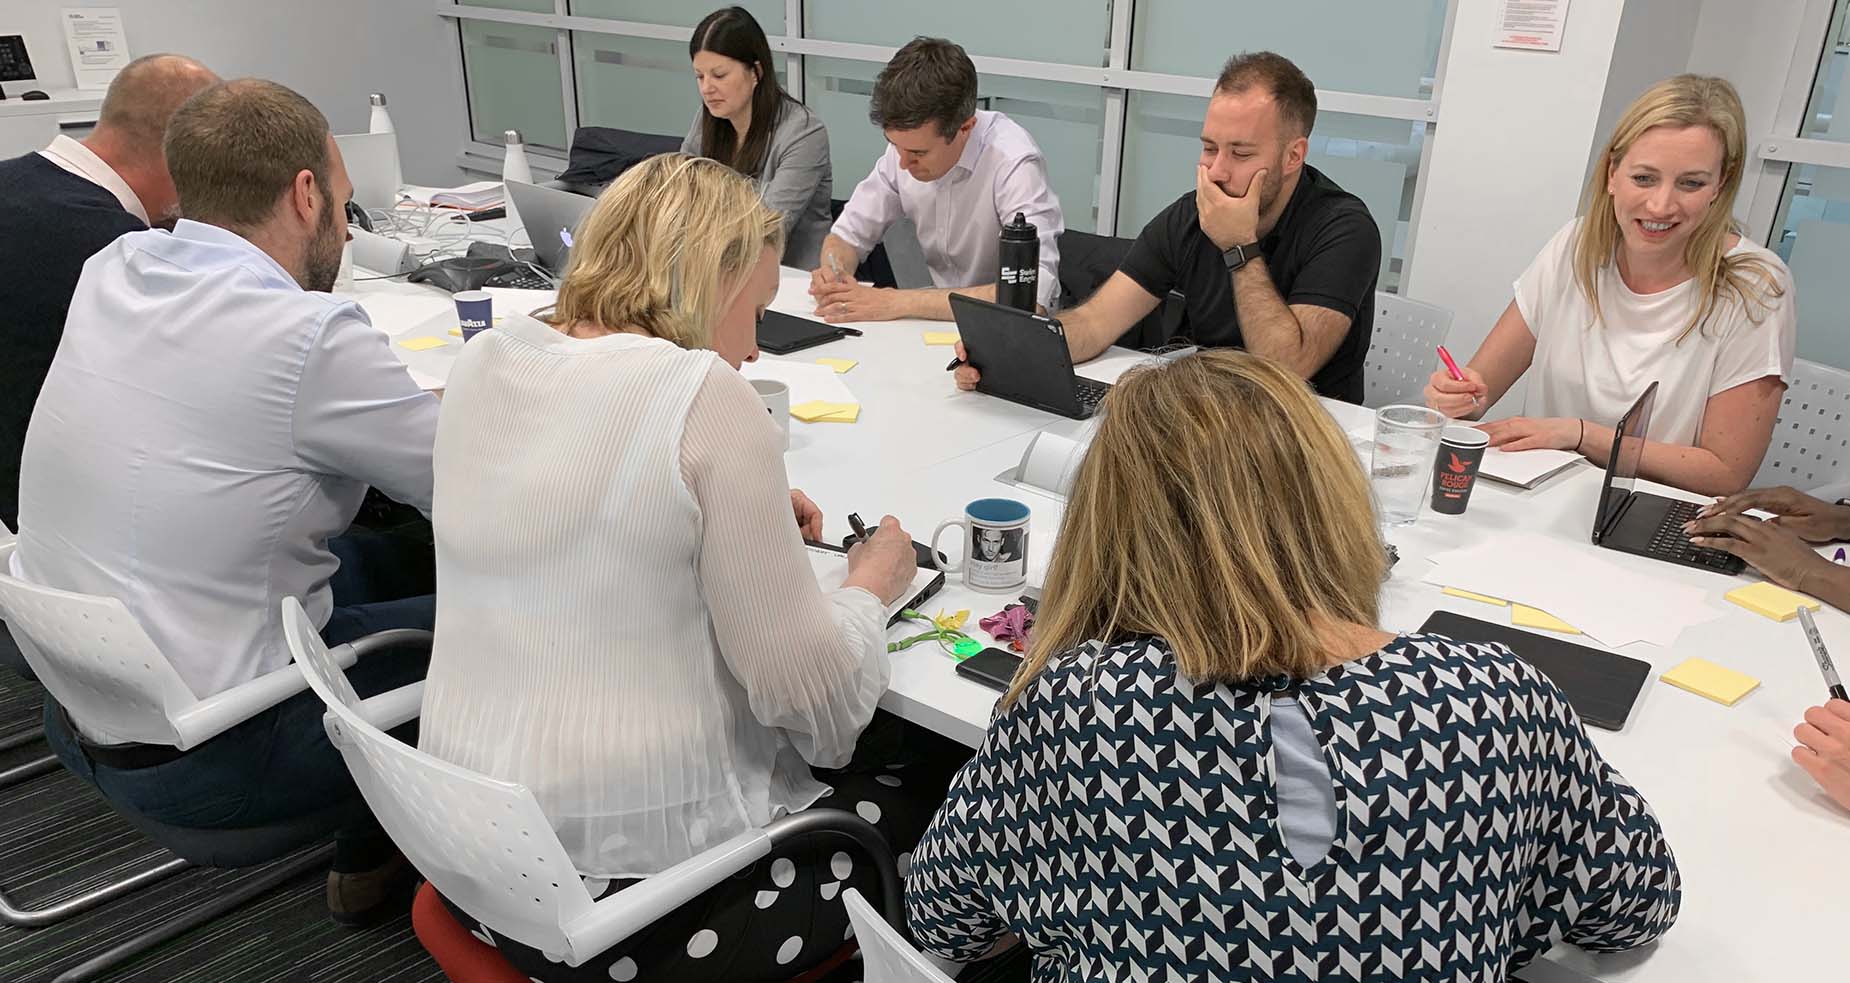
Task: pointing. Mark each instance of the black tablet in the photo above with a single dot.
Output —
(1602, 686)
(781, 334)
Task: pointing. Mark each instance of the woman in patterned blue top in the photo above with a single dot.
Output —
(1213, 766)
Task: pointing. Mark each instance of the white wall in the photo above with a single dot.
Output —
(1754, 44)
(1655, 41)
(1508, 157)
(332, 51)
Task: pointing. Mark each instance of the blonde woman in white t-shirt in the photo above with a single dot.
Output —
(1654, 283)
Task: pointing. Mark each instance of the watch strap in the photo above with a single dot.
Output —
(1239, 256)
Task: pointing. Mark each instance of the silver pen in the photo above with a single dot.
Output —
(1823, 656)
(835, 267)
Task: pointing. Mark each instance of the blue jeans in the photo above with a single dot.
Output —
(278, 765)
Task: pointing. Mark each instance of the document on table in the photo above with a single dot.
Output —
(1525, 469)
(831, 568)
(808, 382)
(1572, 582)
(1110, 367)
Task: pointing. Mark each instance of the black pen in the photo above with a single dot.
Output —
(955, 364)
(1831, 682)
(860, 528)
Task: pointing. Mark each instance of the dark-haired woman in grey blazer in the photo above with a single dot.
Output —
(748, 123)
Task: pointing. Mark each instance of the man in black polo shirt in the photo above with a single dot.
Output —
(1270, 254)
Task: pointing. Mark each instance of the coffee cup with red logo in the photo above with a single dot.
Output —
(1454, 474)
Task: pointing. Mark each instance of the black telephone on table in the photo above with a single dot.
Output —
(992, 667)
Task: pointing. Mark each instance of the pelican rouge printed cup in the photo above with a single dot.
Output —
(1454, 474)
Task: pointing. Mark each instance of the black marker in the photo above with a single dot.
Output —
(860, 528)
(956, 363)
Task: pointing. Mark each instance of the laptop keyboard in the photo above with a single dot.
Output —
(1669, 543)
(522, 280)
(1089, 391)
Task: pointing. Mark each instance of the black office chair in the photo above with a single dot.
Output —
(1087, 261)
(876, 268)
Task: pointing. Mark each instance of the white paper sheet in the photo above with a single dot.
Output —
(1536, 25)
(424, 380)
(1109, 367)
(808, 381)
(97, 43)
(1573, 582)
(1525, 468)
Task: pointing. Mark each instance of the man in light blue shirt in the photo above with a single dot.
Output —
(212, 418)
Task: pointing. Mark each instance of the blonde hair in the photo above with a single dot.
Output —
(664, 250)
(1685, 100)
(1219, 508)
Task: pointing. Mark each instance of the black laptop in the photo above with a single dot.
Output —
(1640, 522)
(1024, 359)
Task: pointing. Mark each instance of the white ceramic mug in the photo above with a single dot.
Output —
(776, 396)
(995, 545)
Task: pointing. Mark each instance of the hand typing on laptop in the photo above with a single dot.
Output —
(1780, 547)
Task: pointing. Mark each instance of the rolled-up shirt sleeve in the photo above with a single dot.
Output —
(359, 415)
(1023, 188)
(873, 207)
(811, 662)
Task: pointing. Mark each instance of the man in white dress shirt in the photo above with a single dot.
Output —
(212, 418)
(958, 173)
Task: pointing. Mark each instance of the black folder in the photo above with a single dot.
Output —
(1602, 686)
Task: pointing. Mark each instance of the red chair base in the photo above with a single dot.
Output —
(467, 959)
(463, 957)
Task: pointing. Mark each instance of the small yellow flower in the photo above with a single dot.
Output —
(952, 622)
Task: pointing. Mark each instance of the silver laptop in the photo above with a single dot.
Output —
(372, 166)
(551, 218)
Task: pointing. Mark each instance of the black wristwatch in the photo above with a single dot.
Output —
(1238, 256)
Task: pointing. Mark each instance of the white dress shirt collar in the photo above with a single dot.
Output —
(215, 235)
(81, 161)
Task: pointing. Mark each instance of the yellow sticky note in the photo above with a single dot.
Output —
(422, 344)
(941, 338)
(1480, 598)
(456, 332)
(840, 365)
(1523, 616)
(818, 411)
(1771, 601)
(1705, 678)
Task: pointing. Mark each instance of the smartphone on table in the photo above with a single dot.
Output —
(993, 667)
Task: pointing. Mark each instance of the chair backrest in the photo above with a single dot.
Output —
(1811, 441)
(485, 844)
(1400, 354)
(96, 661)
(885, 954)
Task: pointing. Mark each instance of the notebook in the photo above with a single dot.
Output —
(1525, 469)
(1602, 686)
(831, 566)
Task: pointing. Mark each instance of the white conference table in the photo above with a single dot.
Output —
(1764, 856)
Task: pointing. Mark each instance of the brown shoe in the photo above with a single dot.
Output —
(368, 897)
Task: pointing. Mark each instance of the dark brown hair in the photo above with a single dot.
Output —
(733, 32)
(930, 80)
(236, 147)
(1290, 89)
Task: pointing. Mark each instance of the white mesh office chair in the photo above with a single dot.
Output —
(485, 845)
(886, 956)
(1811, 441)
(1401, 353)
(98, 663)
(27, 735)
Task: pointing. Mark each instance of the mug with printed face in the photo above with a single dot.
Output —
(995, 545)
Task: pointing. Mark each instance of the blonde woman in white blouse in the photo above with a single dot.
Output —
(627, 622)
(1653, 283)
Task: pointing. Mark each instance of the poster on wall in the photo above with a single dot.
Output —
(98, 46)
(1534, 25)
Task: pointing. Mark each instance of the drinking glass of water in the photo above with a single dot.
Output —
(1400, 469)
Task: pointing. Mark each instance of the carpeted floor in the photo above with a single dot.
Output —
(58, 839)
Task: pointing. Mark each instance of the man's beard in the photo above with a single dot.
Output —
(322, 266)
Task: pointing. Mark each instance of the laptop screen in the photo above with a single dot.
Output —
(1622, 466)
